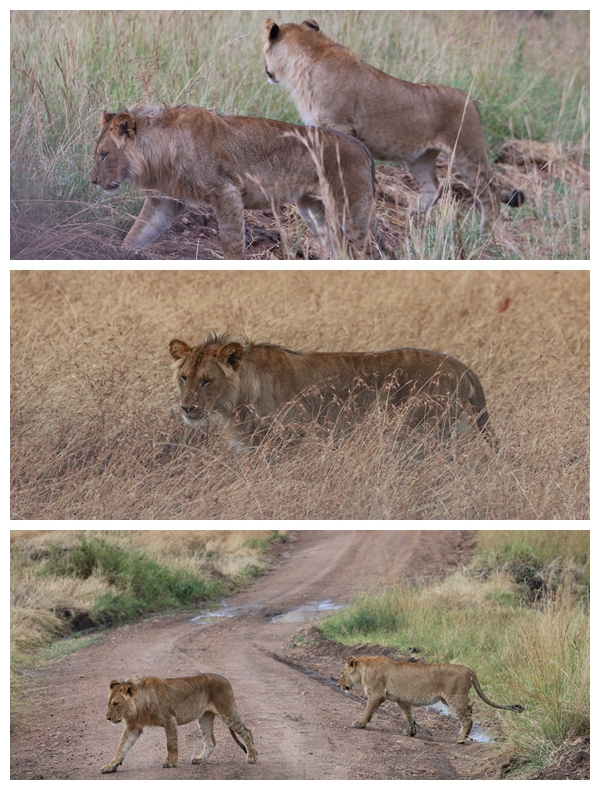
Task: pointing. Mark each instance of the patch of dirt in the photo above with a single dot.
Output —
(283, 675)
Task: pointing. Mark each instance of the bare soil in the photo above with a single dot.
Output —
(283, 674)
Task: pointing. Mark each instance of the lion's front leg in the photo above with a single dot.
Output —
(156, 216)
(128, 738)
(411, 729)
(373, 702)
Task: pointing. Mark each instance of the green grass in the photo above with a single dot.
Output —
(537, 655)
(138, 584)
(530, 77)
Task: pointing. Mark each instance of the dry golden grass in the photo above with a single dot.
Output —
(95, 433)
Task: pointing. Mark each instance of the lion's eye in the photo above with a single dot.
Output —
(205, 382)
(183, 378)
(103, 157)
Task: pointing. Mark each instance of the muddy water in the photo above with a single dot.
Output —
(476, 734)
(310, 611)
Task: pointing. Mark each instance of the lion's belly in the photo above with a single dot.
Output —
(280, 189)
(418, 699)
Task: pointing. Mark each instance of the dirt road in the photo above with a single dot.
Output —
(301, 723)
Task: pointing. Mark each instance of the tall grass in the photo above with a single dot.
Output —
(536, 655)
(96, 433)
(530, 75)
(60, 580)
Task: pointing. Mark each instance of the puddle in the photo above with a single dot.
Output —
(207, 618)
(476, 734)
(310, 611)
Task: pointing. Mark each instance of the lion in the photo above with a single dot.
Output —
(152, 702)
(189, 156)
(397, 120)
(232, 382)
(409, 683)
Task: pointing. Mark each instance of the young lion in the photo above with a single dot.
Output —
(190, 156)
(409, 683)
(152, 702)
(397, 120)
(246, 386)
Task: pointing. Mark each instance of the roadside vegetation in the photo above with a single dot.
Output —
(529, 74)
(66, 582)
(518, 616)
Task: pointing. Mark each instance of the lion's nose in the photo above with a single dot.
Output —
(188, 409)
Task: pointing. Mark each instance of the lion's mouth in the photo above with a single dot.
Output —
(111, 187)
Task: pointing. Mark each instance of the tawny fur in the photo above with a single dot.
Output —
(396, 119)
(412, 684)
(152, 702)
(188, 156)
(244, 386)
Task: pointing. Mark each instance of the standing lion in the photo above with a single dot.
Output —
(189, 156)
(397, 120)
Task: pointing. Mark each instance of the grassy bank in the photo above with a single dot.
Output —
(530, 76)
(65, 581)
(530, 648)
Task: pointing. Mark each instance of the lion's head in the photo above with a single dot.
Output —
(112, 163)
(276, 57)
(207, 377)
(350, 675)
(121, 704)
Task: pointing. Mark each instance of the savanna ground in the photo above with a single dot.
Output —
(514, 605)
(529, 74)
(96, 434)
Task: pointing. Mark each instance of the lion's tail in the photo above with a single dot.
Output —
(478, 405)
(237, 740)
(514, 199)
(479, 690)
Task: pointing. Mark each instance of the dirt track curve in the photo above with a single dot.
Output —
(300, 722)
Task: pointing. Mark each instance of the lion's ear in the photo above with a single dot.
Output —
(231, 354)
(129, 689)
(311, 24)
(113, 684)
(271, 29)
(352, 661)
(123, 128)
(107, 117)
(179, 349)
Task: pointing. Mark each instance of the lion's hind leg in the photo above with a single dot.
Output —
(475, 171)
(463, 710)
(237, 727)
(312, 211)
(411, 730)
(205, 723)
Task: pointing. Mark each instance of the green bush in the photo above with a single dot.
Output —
(139, 584)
